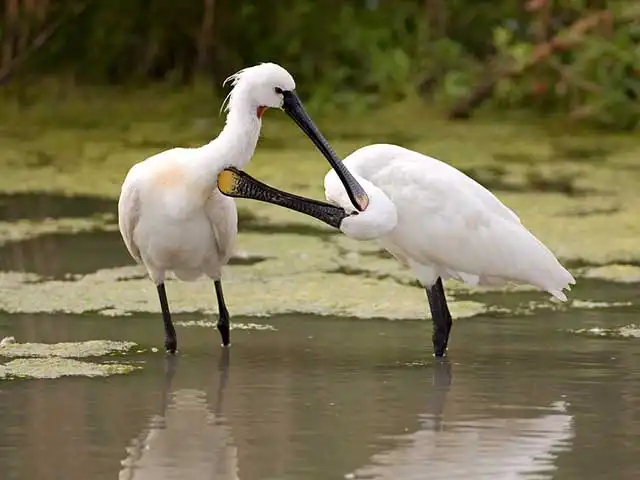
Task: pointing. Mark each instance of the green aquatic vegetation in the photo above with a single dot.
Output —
(626, 331)
(286, 288)
(56, 367)
(91, 348)
(613, 273)
(55, 360)
(234, 325)
(535, 306)
(589, 305)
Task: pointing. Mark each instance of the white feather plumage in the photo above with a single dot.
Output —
(448, 225)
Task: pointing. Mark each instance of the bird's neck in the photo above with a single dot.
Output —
(236, 143)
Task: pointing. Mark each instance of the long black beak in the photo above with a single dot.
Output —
(293, 107)
(236, 183)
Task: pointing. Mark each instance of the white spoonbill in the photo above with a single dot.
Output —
(171, 215)
(432, 218)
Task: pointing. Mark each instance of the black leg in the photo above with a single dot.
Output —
(441, 317)
(223, 315)
(170, 340)
(443, 301)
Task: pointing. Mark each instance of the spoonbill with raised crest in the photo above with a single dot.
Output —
(431, 217)
(171, 215)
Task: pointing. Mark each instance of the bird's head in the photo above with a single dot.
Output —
(378, 220)
(268, 85)
(264, 85)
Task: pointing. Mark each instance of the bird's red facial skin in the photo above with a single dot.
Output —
(260, 111)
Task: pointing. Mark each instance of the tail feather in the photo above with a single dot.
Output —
(530, 261)
(559, 294)
(554, 278)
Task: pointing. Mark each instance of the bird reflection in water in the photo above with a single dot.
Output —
(187, 440)
(491, 448)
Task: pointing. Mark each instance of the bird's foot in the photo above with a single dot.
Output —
(224, 334)
(439, 341)
(170, 345)
(440, 353)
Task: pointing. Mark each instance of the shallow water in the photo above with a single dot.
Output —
(530, 390)
(325, 397)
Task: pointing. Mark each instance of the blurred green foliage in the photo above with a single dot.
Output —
(361, 53)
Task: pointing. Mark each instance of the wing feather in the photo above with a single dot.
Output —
(223, 217)
(442, 222)
(128, 215)
(448, 220)
(370, 161)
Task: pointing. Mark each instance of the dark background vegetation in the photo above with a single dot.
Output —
(578, 59)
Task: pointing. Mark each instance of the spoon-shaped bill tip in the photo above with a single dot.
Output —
(228, 182)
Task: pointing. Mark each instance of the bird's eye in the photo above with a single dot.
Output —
(278, 90)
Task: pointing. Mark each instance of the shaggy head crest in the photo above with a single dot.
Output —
(264, 76)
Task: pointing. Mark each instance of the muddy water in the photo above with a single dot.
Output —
(323, 398)
(530, 390)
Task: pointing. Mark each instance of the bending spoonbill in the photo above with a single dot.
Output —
(432, 218)
(171, 215)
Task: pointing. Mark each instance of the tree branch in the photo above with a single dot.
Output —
(38, 42)
(566, 39)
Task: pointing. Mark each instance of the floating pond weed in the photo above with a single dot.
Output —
(55, 360)
(55, 367)
(91, 348)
